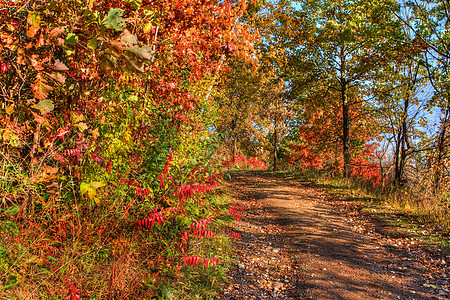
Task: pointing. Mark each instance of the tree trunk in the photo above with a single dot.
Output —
(440, 152)
(400, 147)
(403, 143)
(234, 148)
(275, 146)
(381, 172)
(345, 117)
(345, 129)
(402, 137)
(275, 136)
(397, 159)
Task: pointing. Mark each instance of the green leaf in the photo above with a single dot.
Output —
(69, 52)
(135, 3)
(71, 39)
(114, 19)
(133, 99)
(84, 187)
(44, 106)
(93, 43)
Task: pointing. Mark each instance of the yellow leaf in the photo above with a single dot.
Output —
(97, 201)
(148, 27)
(33, 18)
(77, 118)
(44, 106)
(97, 184)
(6, 135)
(95, 133)
(91, 193)
(82, 126)
(10, 109)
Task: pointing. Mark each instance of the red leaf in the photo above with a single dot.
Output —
(74, 293)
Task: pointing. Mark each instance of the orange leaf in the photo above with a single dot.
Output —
(37, 65)
(59, 66)
(57, 77)
(40, 88)
(56, 31)
(31, 32)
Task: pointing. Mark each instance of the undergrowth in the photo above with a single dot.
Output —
(98, 253)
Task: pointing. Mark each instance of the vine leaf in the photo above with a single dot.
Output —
(114, 20)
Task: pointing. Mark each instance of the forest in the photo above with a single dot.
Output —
(120, 121)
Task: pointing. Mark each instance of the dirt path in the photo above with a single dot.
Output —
(299, 243)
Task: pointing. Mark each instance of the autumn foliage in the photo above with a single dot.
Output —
(318, 142)
(97, 98)
(243, 162)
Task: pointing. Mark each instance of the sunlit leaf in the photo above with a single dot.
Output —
(128, 39)
(97, 184)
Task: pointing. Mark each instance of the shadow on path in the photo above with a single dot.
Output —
(328, 258)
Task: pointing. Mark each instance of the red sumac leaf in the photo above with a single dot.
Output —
(74, 293)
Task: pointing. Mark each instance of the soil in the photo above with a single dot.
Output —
(298, 242)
